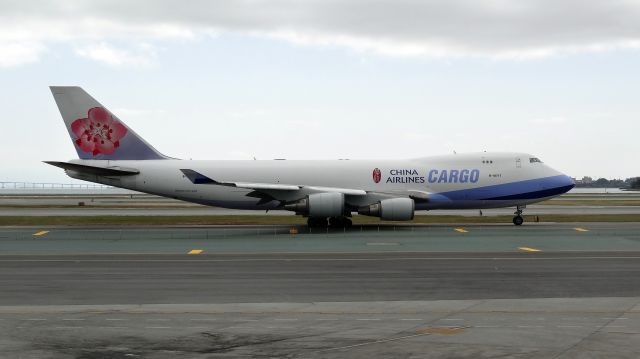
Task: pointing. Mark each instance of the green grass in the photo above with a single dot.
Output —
(591, 202)
(287, 220)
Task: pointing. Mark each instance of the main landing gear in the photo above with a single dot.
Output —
(518, 220)
(334, 222)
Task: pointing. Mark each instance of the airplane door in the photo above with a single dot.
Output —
(518, 162)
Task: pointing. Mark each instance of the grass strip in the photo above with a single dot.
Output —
(589, 202)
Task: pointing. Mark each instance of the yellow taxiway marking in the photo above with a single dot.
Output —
(441, 330)
(581, 229)
(195, 251)
(41, 233)
(461, 230)
(529, 249)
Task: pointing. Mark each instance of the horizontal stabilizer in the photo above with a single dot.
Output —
(95, 170)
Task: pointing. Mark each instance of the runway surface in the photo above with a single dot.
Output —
(544, 237)
(527, 328)
(213, 211)
(266, 278)
(114, 202)
(436, 291)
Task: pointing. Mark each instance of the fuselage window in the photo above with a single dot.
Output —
(534, 160)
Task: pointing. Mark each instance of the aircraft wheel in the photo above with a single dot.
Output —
(518, 220)
(317, 222)
(340, 222)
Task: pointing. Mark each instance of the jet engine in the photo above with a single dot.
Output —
(319, 205)
(392, 209)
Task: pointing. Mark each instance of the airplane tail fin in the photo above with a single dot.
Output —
(97, 134)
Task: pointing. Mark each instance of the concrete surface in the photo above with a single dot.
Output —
(540, 210)
(505, 328)
(290, 277)
(546, 237)
(109, 203)
(433, 291)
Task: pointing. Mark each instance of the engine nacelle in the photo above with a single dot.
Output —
(319, 205)
(392, 209)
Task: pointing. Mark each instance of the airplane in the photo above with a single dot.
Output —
(327, 192)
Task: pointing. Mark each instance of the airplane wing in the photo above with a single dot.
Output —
(198, 178)
(289, 192)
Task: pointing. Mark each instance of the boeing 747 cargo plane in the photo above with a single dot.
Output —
(327, 192)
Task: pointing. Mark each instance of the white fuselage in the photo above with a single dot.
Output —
(479, 180)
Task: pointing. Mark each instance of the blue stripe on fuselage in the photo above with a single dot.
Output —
(529, 189)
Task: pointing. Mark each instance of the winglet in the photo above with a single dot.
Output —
(197, 178)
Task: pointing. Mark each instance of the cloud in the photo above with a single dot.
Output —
(18, 53)
(554, 120)
(124, 113)
(144, 55)
(497, 29)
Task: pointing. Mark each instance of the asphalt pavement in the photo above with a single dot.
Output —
(433, 291)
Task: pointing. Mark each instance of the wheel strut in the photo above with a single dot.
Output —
(518, 220)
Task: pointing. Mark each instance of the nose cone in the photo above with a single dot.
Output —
(567, 183)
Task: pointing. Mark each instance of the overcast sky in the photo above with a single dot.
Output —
(329, 79)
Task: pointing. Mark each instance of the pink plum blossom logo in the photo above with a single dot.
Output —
(377, 175)
(99, 132)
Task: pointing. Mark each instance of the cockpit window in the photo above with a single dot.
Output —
(534, 160)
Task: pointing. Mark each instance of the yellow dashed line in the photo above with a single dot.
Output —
(461, 230)
(581, 229)
(529, 249)
(41, 233)
(195, 251)
(441, 330)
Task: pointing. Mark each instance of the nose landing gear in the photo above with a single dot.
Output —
(518, 220)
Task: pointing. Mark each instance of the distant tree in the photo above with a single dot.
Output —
(635, 183)
(602, 182)
(616, 183)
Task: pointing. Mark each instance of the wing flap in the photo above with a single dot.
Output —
(265, 186)
(346, 191)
